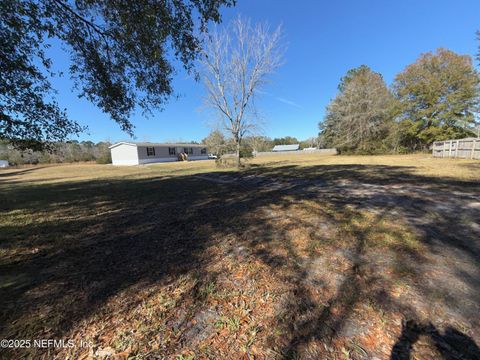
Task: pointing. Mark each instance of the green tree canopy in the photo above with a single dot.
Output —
(352, 73)
(438, 97)
(121, 57)
(287, 140)
(359, 118)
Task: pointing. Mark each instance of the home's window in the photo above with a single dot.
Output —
(171, 151)
(188, 150)
(150, 151)
(203, 151)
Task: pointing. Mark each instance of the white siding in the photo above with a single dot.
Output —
(171, 159)
(200, 157)
(162, 154)
(125, 154)
(157, 160)
(133, 154)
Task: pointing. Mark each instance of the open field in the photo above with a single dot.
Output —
(341, 257)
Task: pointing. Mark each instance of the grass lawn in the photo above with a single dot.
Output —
(315, 257)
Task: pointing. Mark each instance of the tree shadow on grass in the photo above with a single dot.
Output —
(471, 166)
(453, 344)
(454, 232)
(6, 173)
(81, 243)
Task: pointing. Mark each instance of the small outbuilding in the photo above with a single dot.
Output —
(4, 164)
(136, 153)
(293, 147)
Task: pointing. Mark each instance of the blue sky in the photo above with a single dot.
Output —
(325, 39)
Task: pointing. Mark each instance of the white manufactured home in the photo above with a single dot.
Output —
(136, 153)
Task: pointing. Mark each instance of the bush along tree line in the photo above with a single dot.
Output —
(59, 152)
(435, 98)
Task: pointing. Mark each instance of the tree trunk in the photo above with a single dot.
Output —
(237, 141)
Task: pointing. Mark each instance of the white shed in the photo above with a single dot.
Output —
(135, 153)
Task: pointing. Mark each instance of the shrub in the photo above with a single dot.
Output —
(226, 161)
(105, 158)
(246, 152)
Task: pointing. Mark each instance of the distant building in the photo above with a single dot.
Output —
(135, 153)
(3, 163)
(294, 147)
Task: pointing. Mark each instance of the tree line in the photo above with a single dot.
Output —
(219, 144)
(59, 152)
(435, 98)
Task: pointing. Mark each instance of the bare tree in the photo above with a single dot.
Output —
(237, 62)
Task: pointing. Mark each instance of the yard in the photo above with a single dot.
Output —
(315, 257)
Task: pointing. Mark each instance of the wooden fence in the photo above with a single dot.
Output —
(463, 148)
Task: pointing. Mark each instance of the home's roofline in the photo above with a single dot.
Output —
(154, 144)
(121, 143)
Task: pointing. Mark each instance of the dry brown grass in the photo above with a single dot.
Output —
(310, 257)
(421, 164)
